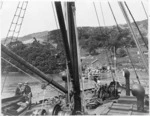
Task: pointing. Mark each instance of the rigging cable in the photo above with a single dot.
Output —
(11, 25)
(22, 18)
(97, 16)
(102, 14)
(125, 46)
(55, 20)
(144, 10)
(58, 34)
(16, 23)
(43, 102)
(105, 26)
(57, 41)
(106, 40)
(114, 17)
(57, 29)
(54, 15)
(17, 20)
(136, 25)
(61, 45)
(132, 64)
(1, 4)
(4, 83)
(133, 34)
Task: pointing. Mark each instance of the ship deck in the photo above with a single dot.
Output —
(125, 105)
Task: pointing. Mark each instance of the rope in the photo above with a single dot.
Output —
(136, 25)
(132, 65)
(104, 25)
(4, 83)
(106, 39)
(22, 17)
(144, 10)
(114, 16)
(97, 16)
(7, 37)
(125, 47)
(56, 22)
(133, 34)
(102, 14)
(54, 15)
(57, 26)
(1, 2)
(16, 24)
(43, 99)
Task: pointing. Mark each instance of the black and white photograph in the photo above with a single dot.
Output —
(74, 57)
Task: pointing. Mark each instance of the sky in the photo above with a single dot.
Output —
(40, 16)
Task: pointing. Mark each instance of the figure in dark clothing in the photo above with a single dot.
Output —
(27, 89)
(19, 90)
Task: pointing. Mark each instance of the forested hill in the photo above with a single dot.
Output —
(45, 50)
(44, 36)
(91, 38)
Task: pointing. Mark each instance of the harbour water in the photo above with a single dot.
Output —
(13, 78)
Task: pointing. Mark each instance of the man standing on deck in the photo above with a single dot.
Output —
(19, 90)
(27, 91)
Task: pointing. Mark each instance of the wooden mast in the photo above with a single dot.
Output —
(73, 37)
(71, 48)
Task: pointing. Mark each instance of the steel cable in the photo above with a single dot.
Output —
(144, 10)
(125, 46)
(136, 25)
(106, 39)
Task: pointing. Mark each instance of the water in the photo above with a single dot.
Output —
(13, 78)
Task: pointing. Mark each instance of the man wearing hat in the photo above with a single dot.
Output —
(27, 90)
(19, 90)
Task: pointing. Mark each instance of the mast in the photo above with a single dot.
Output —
(73, 37)
(70, 40)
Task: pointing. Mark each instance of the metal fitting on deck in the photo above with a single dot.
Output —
(126, 74)
(139, 92)
(64, 76)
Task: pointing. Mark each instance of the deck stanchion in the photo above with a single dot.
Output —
(126, 74)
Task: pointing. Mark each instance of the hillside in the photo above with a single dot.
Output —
(48, 58)
(43, 36)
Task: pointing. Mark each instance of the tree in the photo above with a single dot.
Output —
(118, 39)
(121, 52)
(42, 56)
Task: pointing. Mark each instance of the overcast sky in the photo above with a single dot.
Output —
(40, 17)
